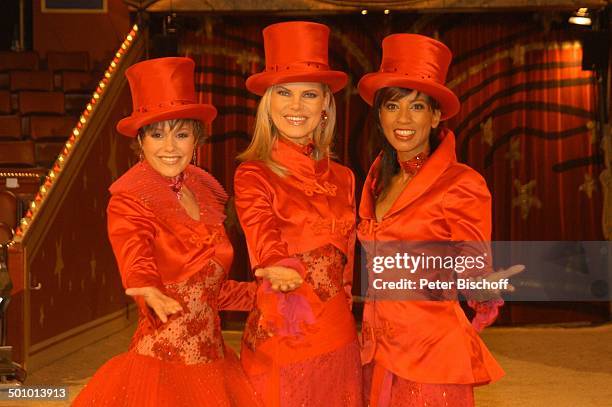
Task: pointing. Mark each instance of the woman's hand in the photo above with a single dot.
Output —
(163, 305)
(281, 278)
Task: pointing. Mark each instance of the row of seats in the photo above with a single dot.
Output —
(66, 81)
(55, 61)
(40, 100)
(27, 153)
(32, 102)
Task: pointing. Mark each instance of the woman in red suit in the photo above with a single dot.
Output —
(165, 225)
(296, 207)
(421, 353)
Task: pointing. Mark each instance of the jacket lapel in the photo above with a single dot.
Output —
(424, 179)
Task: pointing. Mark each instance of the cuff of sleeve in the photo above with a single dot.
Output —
(137, 281)
(294, 263)
(289, 262)
(486, 312)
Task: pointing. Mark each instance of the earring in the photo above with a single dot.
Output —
(324, 118)
(141, 156)
(194, 158)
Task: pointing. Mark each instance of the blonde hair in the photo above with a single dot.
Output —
(265, 134)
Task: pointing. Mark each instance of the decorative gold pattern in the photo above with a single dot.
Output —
(588, 186)
(525, 198)
(592, 126)
(487, 131)
(245, 59)
(515, 152)
(605, 178)
(59, 262)
(518, 55)
(513, 53)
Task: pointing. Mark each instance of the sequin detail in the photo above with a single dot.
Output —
(412, 166)
(334, 378)
(255, 332)
(406, 393)
(193, 336)
(324, 270)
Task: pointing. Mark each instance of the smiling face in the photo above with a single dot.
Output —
(169, 149)
(406, 122)
(295, 109)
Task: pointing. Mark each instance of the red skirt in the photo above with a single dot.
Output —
(133, 380)
(385, 389)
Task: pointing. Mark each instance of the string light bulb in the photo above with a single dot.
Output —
(580, 17)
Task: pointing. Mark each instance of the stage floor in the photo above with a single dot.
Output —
(545, 366)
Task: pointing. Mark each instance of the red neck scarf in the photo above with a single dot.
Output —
(412, 166)
(176, 184)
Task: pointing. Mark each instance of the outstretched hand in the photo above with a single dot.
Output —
(281, 279)
(163, 305)
(500, 275)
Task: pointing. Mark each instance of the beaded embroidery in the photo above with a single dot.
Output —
(194, 335)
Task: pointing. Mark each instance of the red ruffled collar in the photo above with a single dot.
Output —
(156, 193)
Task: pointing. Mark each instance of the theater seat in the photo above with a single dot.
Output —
(11, 61)
(31, 80)
(75, 103)
(78, 82)
(10, 126)
(17, 153)
(41, 102)
(67, 61)
(9, 205)
(46, 127)
(46, 152)
(5, 102)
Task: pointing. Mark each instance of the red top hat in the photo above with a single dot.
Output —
(296, 51)
(415, 62)
(163, 89)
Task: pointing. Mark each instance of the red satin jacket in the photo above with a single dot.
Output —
(283, 216)
(156, 242)
(429, 341)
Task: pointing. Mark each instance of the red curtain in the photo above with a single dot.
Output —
(527, 122)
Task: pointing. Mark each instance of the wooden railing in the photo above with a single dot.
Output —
(67, 291)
